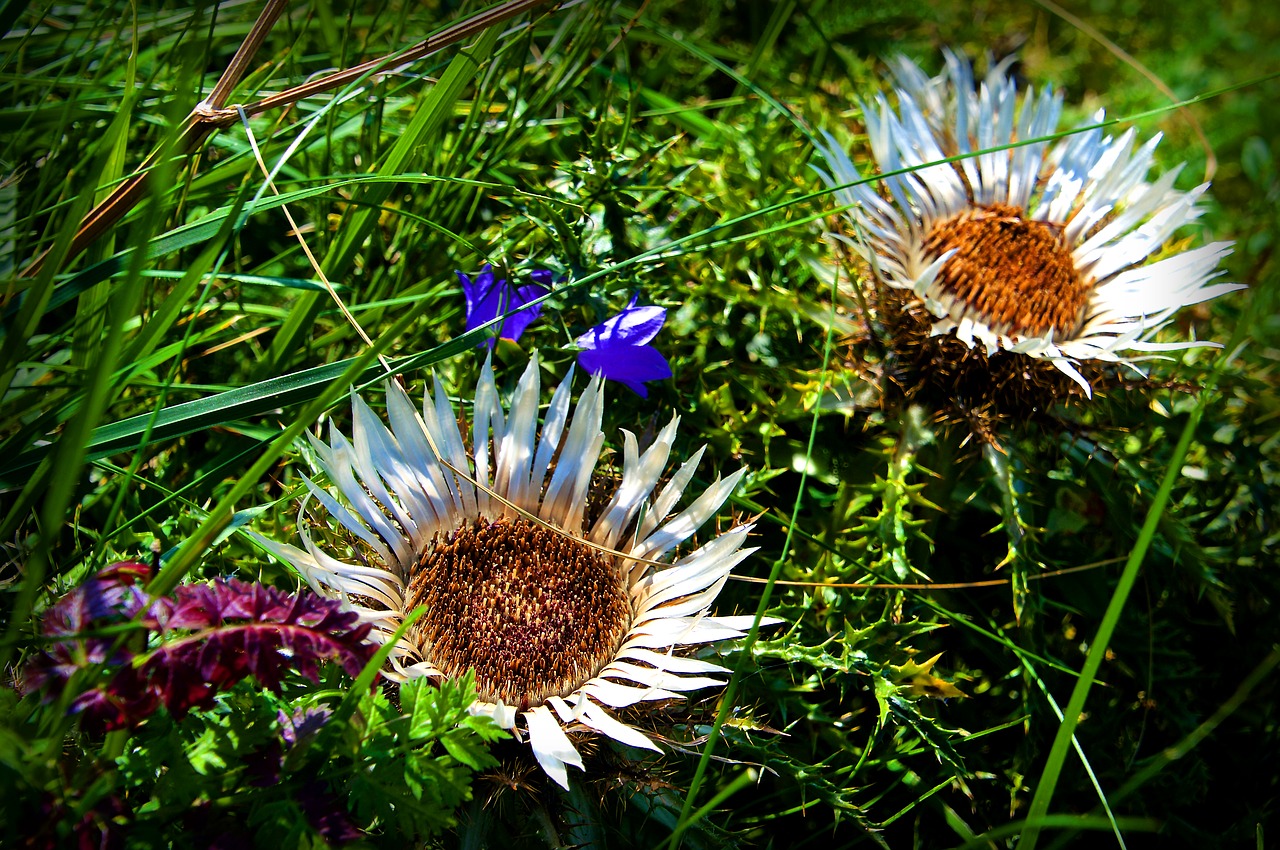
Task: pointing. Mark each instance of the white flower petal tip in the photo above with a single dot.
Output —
(551, 746)
(529, 575)
(1037, 248)
(502, 715)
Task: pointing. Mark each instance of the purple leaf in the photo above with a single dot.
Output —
(326, 814)
(103, 825)
(213, 636)
(112, 597)
(113, 594)
(488, 299)
(262, 765)
(119, 702)
(250, 629)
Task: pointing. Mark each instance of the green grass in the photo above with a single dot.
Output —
(156, 383)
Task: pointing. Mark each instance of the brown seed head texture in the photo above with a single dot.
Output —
(963, 385)
(534, 611)
(1017, 274)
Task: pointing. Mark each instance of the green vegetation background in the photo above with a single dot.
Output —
(666, 149)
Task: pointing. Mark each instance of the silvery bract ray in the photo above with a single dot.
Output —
(1038, 248)
(559, 632)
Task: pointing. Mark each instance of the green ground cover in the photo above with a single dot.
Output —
(942, 570)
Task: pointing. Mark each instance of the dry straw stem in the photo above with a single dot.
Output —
(213, 114)
(958, 585)
(1210, 158)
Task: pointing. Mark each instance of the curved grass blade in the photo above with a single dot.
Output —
(427, 122)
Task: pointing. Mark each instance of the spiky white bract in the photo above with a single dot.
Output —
(1088, 186)
(396, 502)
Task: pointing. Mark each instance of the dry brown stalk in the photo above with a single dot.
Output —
(212, 113)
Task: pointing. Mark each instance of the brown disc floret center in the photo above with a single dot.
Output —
(1015, 274)
(534, 611)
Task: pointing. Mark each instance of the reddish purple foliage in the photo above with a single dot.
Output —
(326, 814)
(96, 829)
(213, 636)
(112, 597)
(243, 629)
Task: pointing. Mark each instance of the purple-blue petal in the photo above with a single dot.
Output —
(631, 365)
(488, 299)
(302, 723)
(512, 326)
(633, 326)
(482, 295)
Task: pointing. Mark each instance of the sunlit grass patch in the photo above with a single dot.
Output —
(645, 179)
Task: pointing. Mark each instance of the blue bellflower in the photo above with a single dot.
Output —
(619, 349)
(488, 299)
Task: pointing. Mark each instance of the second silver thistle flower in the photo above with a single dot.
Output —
(1033, 247)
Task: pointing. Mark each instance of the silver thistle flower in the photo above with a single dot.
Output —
(1037, 249)
(558, 629)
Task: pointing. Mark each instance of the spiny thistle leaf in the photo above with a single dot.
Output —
(918, 679)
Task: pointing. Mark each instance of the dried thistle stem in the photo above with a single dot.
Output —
(212, 113)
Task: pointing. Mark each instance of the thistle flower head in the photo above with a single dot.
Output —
(1021, 244)
(564, 599)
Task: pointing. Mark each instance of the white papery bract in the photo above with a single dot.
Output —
(1086, 192)
(404, 528)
